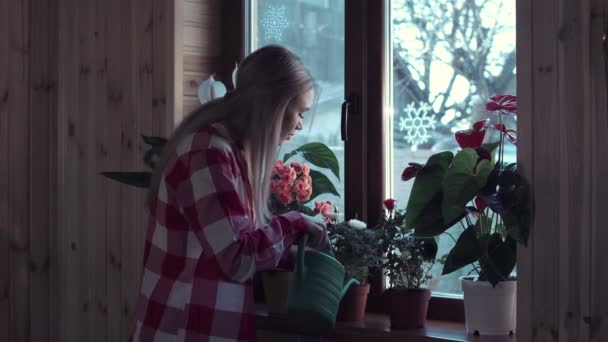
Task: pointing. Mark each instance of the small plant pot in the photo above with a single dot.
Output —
(276, 290)
(352, 306)
(407, 307)
(489, 310)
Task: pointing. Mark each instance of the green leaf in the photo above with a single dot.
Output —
(430, 221)
(321, 185)
(137, 179)
(154, 141)
(498, 258)
(319, 155)
(460, 185)
(427, 184)
(465, 252)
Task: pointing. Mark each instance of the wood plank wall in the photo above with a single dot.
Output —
(80, 80)
(563, 129)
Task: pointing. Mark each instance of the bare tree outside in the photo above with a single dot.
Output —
(448, 58)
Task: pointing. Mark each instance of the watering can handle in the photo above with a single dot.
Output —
(351, 281)
(300, 259)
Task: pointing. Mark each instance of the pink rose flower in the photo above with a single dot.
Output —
(297, 167)
(323, 207)
(306, 169)
(285, 197)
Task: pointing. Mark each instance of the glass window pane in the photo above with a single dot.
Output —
(314, 29)
(448, 57)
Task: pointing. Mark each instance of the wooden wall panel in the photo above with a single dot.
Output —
(19, 187)
(563, 125)
(598, 102)
(525, 123)
(80, 81)
(42, 100)
(5, 233)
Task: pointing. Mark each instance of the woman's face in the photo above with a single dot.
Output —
(295, 114)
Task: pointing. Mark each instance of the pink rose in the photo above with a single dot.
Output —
(304, 195)
(303, 190)
(285, 197)
(287, 174)
(306, 179)
(323, 207)
(297, 167)
(306, 169)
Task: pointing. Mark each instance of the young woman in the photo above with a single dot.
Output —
(210, 228)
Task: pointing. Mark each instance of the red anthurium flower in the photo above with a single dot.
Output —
(480, 203)
(482, 153)
(473, 137)
(505, 104)
(389, 203)
(510, 134)
(411, 171)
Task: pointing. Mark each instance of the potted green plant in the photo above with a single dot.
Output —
(407, 265)
(294, 186)
(358, 248)
(489, 199)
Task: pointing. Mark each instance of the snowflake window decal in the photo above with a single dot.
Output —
(274, 22)
(417, 123)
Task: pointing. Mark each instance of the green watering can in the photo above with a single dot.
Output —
(317, 288)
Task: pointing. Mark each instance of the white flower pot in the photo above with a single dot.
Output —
(489, 310)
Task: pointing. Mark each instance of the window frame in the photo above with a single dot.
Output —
(368, 179)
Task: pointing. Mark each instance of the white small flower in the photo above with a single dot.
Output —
(356, 224)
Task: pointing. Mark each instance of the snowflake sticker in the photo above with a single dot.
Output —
(274, 22)
(416, 123)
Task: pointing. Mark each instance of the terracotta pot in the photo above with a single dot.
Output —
(352, 306)
(407, 307)
(276, 290)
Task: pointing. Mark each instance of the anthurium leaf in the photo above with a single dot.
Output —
(319, 155)
(465, 252)
(517, 219)
(498, 258)
(430, 222)
(321, 185)
(154, 141)
(427, 184)
(460, 185)
(137, 179)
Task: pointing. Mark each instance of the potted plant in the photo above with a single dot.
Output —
(358, 248)
(408, 262)
(477, 190)
(294, 186)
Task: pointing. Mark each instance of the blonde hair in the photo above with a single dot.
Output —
(268, 80)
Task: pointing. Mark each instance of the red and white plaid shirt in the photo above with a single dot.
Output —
(203, 247)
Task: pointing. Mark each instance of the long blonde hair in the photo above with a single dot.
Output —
(267, 81)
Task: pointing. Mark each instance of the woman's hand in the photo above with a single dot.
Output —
(318, 233)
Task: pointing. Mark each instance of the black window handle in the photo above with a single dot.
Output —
(349, 106)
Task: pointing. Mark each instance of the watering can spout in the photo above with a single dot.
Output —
(351, 281)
